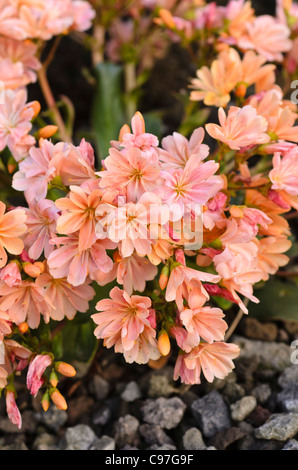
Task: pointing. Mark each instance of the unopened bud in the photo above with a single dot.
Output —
(35, 105)
(45, 402)
(47, 132)
(164, 277)
(65, 369)
(167, 18)
(11, 165)
(124, 130)
(58, 399)
(23, 327)
(163, 343)
(117, 257)
(241, 90)
(33, 269)
(53, 379)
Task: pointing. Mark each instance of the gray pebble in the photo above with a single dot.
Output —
(280, 427)
(242, 408)
(193, 440)
(131, 392)
(166, 412)
(211, 413)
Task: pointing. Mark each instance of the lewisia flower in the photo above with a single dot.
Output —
(67, 261)
(37, 170)
(284, 175)
(138, 138)
(193, 185)
(12, 409)
(124, 322)
(240, 128)
(15, 125)
(271, 254)
(129, 224)
(266, 36)
(177, 150)
(12, 227)
(66, 300)
(5, 327)
(214, 85)
(35, 372)
(131, 171)
(18, 64)
(202, 322)
(133, 271)
(278, 113)
(180, 281)
(41, 224)
(214, 360)
(24, 302)
(10, 274)
(78, 215)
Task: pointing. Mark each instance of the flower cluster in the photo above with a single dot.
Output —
(175, 227)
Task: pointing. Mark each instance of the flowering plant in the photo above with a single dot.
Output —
(149, 241)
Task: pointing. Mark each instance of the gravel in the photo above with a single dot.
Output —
(242, 408)
(211, 413)
(166, 412)
(280, 427)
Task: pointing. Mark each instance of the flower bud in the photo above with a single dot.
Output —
(58, 399)
(45, 402)
(23, 327)
(47, 132)
(33, 269)
(124, 130)
(35, 105)
(167, 18)
(241, 90)
(65, 369)
(53, 379)
(164, 277)
(163, 343)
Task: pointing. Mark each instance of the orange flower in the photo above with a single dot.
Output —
(12, 226)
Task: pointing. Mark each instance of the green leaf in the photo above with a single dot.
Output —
(222, 303)
(108, 109)
(278, 301)
(78, 342)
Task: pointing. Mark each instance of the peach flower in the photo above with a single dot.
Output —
(12, 227)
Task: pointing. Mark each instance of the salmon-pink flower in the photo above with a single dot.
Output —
(129, 224)
(12, 227)
(266, 36)
(124, 322)
(240, 128)
(271, 254)
(131, 171)
(3, 377)
(179, 280)
(177, 150)
(12, 409)
(41, 223)
(10, 274)
(284, 174)
(37, 170)
(35, 372)
(75, 165)
(139, 138)
(214, 360)
(66, 300)
(67, 261)
(5, 328)
(18, 64)
(214, 213)
(189, 187)
(203, 322)
(278, 113)
(24, 302)
(15, 125)
(78, 215)
(133, 272)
